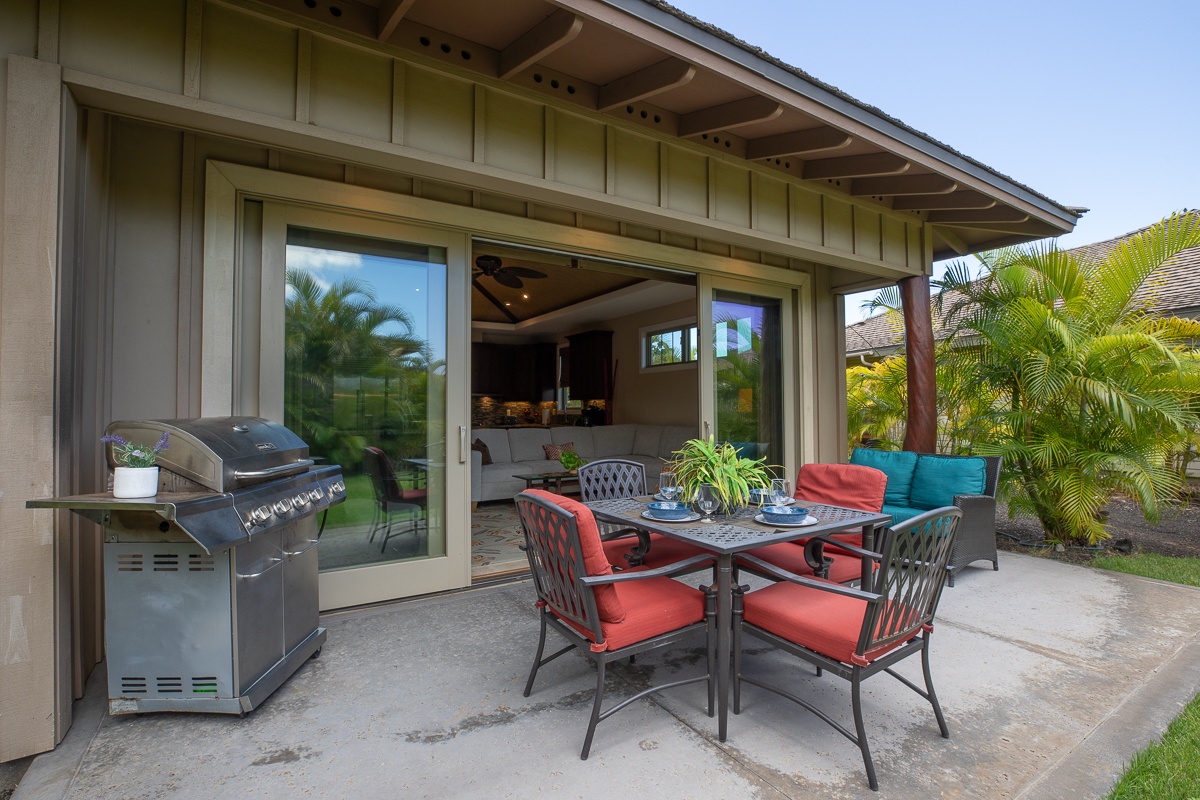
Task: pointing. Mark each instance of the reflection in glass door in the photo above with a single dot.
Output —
(748, 369)
(364, 386)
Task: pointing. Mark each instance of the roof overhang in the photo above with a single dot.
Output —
(648, 64)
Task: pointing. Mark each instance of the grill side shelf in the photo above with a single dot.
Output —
(208, 519)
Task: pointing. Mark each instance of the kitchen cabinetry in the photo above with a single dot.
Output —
(519, 372)
(591, 365)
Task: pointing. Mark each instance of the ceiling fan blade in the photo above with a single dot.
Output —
(524, 272)
(504, 278)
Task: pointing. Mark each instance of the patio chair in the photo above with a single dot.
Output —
(618, 478)
(605, 615)
(851, 633)
(391, 499)
(845, 485)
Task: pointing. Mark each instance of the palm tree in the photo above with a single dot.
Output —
(335, 334)
(1092, 394)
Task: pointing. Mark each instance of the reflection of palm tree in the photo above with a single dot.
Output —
(739, 370)
(335, 333)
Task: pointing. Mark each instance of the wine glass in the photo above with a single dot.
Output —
(706, 500)
(781, 490)
(666, 485)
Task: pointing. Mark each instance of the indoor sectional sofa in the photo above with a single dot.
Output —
(918, 482)
(522, 451)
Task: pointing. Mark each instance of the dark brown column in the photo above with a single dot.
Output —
(921, 433)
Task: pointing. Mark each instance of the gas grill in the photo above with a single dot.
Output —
(210, 586)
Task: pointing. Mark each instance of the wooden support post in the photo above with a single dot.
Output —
(921, 433)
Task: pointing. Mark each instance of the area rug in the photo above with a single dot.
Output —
(495, 540)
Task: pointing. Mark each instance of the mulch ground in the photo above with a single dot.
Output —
(1177, 532)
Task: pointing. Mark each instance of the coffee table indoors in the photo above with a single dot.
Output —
(736, 534)
(555, 481)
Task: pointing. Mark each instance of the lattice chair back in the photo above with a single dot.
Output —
(611, 479)
(556, 561)
(912, 572)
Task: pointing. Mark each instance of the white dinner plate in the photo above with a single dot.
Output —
(689, 518)
(809, 520)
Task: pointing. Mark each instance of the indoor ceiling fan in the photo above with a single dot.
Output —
(494, 268)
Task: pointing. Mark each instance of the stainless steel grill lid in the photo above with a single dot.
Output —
(222, 454)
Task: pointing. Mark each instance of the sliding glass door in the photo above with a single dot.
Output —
(747, 362)
(360, 319)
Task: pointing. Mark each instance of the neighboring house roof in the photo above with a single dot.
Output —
(1173, 290)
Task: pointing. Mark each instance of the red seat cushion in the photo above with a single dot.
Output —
(790, 556)
(845, 485)
(595, 559)
(655, 606)
(823, 622)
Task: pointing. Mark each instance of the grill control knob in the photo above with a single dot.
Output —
(316, 494)
(259, 516)
(282, 506)
(337, 487)
(300, 500)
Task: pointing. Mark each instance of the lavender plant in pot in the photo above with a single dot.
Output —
(137, 472)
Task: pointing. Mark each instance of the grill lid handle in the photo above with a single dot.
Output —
(274, 472)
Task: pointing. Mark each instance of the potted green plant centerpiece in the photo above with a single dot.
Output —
(702, 461)
(137, 472)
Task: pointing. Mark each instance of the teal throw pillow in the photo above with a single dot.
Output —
(938, 479)
(898, 465)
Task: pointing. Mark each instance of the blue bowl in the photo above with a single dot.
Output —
(668, 511)
(784, 515)
(760, 497)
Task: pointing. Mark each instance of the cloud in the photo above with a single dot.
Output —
(310, 259)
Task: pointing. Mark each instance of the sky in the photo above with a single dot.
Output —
(1093, 104)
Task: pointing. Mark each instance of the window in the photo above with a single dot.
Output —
(668, 346)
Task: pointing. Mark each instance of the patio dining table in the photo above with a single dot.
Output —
(732, 534)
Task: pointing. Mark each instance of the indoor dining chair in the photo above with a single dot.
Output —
(606, 616)
(851, 633)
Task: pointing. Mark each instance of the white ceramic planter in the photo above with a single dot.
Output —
(135, 482)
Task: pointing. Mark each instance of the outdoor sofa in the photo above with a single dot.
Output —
(919, 482)
(527, 451)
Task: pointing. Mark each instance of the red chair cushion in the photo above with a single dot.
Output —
(790, 556)
(823, 622)
(655, 606)
(595, 560)
(846, 485)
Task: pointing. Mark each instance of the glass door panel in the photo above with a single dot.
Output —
(749, 369)
(358, 316)
(364, 385)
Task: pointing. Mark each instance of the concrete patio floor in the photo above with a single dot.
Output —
(1051, 676)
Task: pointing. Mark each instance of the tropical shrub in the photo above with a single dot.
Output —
(1089, 393)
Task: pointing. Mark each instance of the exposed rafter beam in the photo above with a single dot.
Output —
(390, 14)
(970, 216)
(902, 185)
(856, 166)
(812, 140)
(730, 115)
(652, 80)
(539, 41)
(943, 202)
(953, 240)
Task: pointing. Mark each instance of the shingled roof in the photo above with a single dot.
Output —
(1173, 290)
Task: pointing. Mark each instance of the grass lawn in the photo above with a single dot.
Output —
(1170, 768)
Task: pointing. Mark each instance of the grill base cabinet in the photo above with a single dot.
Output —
(189, 631)
(210, 586)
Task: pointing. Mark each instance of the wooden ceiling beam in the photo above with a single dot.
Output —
(390, 14)
(974, 216)
(856, 166)
(943, 202)
(903, 185)
(539, 41)
(646, 82)
(952, 240)
(730, 115)
(795, 143)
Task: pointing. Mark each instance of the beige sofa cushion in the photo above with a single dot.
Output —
(496, 440)
(673, 437)
(580, 437)
(613, 440)
(526, 443)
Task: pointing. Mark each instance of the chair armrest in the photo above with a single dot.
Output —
(759, 566)
(687, 565)
(846, 546)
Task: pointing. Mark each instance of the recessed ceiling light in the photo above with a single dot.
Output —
(524, 297)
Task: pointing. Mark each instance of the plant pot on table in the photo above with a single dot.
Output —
(133, 482)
